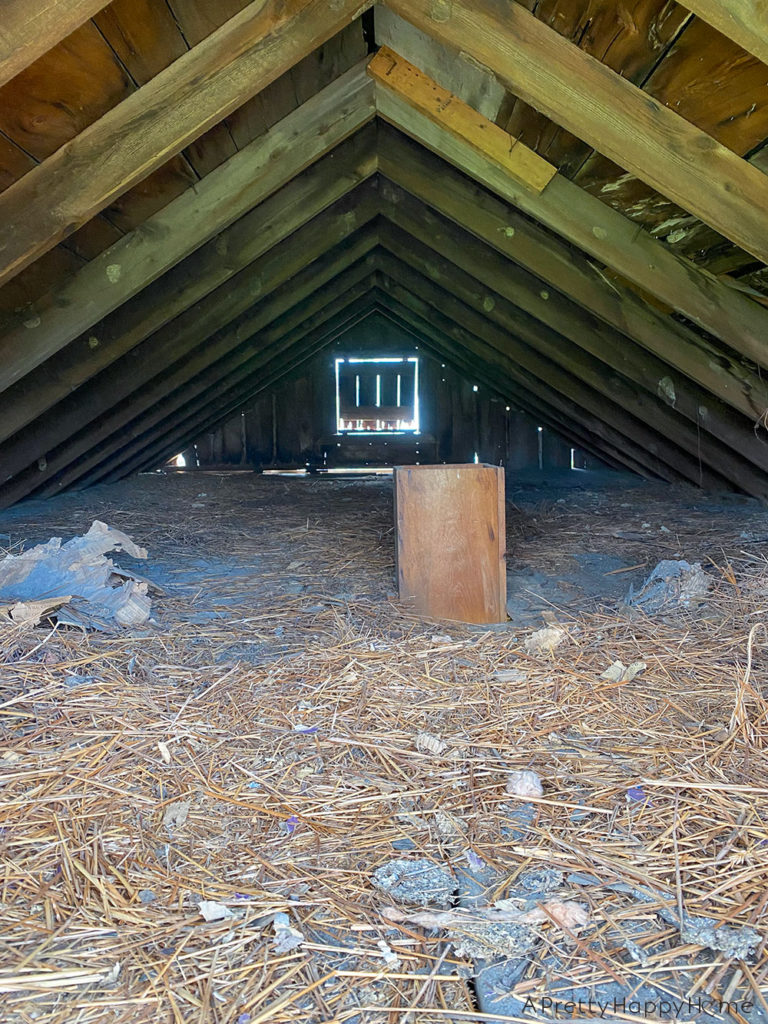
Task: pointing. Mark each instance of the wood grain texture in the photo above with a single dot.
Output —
(144, 35)
(101, 404)
(713, 84)
(29, 28)
(189, 222)
(63, 93)
(465, 325)
(160, 119)
(618, 119)
(490, 219)
(605, 234)
(743, 21)
(451, 541)
(491, 143)
(629, 39)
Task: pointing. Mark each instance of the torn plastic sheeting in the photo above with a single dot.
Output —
(672, 585)
(74, 583)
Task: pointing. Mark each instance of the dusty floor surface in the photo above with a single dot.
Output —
(283, 731)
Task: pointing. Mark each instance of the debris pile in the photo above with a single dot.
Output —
(672, 585)
(185, 835)
(74, 583)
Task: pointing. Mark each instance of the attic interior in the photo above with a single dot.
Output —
(322, 322)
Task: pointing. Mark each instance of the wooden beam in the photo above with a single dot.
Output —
(649, 410)
(30, 28)
(190, 385)
(605, 110)
(459, 339)
(228, 396)
(490, 142)
(675, 399)
(490, 218)
(471, 366)
(198, 215)
(566, 375)
(743, 21)
(601, 232)
(257, 383)
(157, 121)
(207, 269)
(288, 275)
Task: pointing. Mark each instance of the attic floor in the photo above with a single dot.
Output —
(261, 747)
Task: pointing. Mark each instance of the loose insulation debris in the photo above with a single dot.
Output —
(74, 583)
(144, 777)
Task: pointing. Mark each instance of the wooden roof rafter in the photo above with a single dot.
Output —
(29, 28)
(558, 204)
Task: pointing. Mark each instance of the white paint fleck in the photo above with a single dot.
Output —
(703, 412)
(666, 390)
(93, 341)
(114, 272)
(441, 10)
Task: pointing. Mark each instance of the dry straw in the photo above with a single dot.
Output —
(260, 750)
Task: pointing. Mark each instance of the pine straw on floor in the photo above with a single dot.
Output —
(144, 773)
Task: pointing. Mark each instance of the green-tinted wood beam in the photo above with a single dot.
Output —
(160, 119)
(605, 234)
(46, 440)
(490, 218)
(198, 215)
(607, 111)
(204, 271)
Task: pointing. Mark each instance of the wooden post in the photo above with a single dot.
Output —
(451, 541)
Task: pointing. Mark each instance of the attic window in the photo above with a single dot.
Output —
(379, 395)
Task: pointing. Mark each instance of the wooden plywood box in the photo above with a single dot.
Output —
(451, 541)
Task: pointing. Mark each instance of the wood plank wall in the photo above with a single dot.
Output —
(293, 423)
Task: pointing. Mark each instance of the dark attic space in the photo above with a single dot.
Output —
(383, 523)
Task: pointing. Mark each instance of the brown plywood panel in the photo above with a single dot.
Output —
(451, 541)
(144, 35)
(62, 93)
